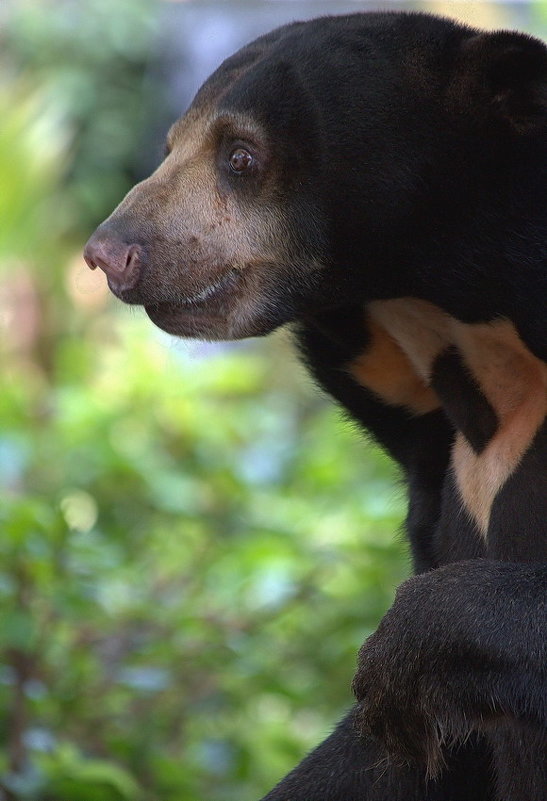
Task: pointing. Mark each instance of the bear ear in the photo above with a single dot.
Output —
(506, 73)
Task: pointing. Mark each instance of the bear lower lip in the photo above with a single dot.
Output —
(185, 321)
(193, 315)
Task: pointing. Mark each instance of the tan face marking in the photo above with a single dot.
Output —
(188, 172)
(216, 245)
(407, 335)
(203, 231)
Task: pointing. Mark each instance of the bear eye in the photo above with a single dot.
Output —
(240, 160)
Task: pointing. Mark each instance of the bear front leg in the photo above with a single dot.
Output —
(463, 647)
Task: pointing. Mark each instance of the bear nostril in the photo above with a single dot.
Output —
(132, 257)
(89, 261)
(132, 262)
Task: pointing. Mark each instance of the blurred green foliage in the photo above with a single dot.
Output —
(190, 558)
(89, 60)
(194, 544)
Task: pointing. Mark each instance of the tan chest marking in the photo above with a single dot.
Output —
(515, 383)
(421, 330)
(386, 369)
(408, 335)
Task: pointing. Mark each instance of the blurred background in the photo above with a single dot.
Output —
(193, 541)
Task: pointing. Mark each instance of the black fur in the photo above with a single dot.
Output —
(406, 156)
(463, 402)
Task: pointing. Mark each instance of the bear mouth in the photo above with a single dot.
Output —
(198, 314)
(198, 299)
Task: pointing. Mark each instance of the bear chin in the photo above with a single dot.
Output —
(210, 322)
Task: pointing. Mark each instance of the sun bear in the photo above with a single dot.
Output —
(377, 182)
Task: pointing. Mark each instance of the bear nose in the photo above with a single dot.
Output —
(119, 261)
